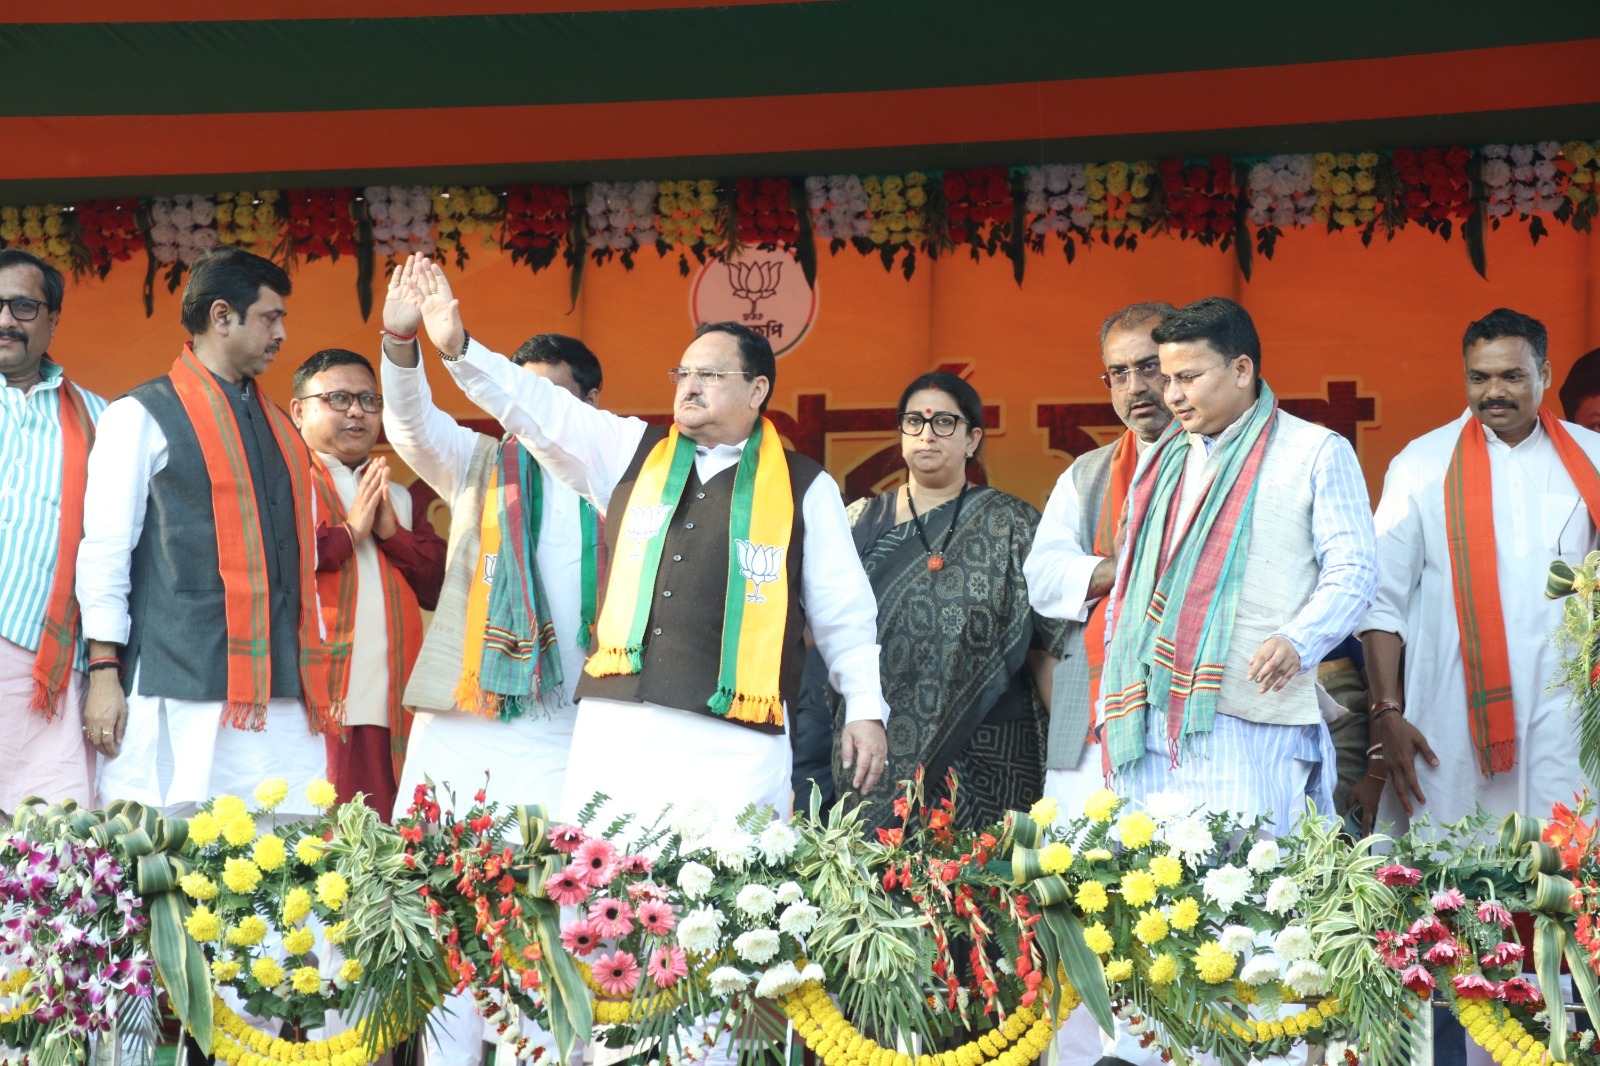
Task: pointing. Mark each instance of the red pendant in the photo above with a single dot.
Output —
(935, 562)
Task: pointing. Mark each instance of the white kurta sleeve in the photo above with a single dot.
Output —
(129, 450)
(1400, 542)
(839, 605)
(427, 439)
(1058, 568)
(584, 447)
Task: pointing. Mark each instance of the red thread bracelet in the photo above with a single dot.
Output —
(396, 336)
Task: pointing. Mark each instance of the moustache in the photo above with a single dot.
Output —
(13, 335)
(691, 401)
(1495, 405)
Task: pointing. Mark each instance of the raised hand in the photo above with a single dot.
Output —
(402, 308)
(441, 311)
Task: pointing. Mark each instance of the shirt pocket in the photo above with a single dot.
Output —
(1567, 532)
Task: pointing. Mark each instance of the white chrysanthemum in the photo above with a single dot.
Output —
(776, 843)
(1307, 978)
(732, 846)
(1164, 807)
(693, 821)
(1190, 838)
(1237, 939)
(1282, 895)
(695, 880)
(725, 981)
(1227, 886)
(798, 919)
(1261, 970)
(790, 892)
(779, 981)
(756, 900)
(757, 946)
(812, 972)
(1264, 856)
(700, 930)
(1294, 943)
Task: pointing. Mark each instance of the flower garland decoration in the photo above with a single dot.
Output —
(400, 219)
(321, 224)
(1582, 193)
(182, 227)
(41, 230)
(1522, 178)
(109, 230)
(1345, 185)
(1020, 1040)
(238, 1043)
(622, 219)
(537, 222)
(1434, 188)
(689, 217)
(1119, 200)
(764, 215)
(460, 212)
(1057, 202)
(838, 206)
(1280, 192)
(248, 220)
(1201, 199)
(978, 207)
(1507, 1042)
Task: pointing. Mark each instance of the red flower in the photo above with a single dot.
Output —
(1473, 986)
(1503, 954)
(891, 837)
(1445, 953)
(1491, 911)
(1518, 991)
(1395, 875)
(1419, 980)
(1428, 929)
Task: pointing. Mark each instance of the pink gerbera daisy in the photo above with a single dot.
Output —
(647, 890)
(596, 860)
(634, 864)
(1448, 900)
(567, 888)
(1474, 986)
(1445, 953)
(1395, 875)
(667, 965)
(611, 917)
(1519, 990)
(566, 838)
(580, 937)
(1490, 911)
(617, 974)
(656, 917)
(1502, 954)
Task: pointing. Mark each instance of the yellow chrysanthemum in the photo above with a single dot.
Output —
(1166, 869)
(1055, 858)
(241, 876)
(1213, 964)
(1043, 812)
(249, 932)
(332, 890)
(1151, 928)
(308, 850)
(203, 925)
(226, 808)
(1163, 969)
(1136, 828)
(271, 792)
(224, 970)
(1097, 855)
(335, 933)
(322, 794)
(351, 970)
(269, 852)
(1184, 914)
(306, 980)
(267, 971)
(204, 829)
(1098, 937)
(239, 830)
(198, 886)
(300, 941)
(1099, 806)
(296, 905)
(1091, 898)
(1138, 887)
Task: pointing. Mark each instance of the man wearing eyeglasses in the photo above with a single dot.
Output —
(46, 429)
(721, 548)
(1069, 571)
(376, 573)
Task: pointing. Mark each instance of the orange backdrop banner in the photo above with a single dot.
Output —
(1364, 340)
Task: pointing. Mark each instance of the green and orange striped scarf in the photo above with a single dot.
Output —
(241, 554)
(1475, 574)
(58, 637)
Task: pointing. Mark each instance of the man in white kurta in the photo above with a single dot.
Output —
(175, 753)
(1539, 517)
(647, 756)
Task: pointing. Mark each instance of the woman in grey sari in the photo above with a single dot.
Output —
(964, 657)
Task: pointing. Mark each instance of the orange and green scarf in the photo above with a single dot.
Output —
(511, 651)
(58, 637)
(336, 592)
(1475, 573)
(756, 609)
(1124, 461)
(241, 555)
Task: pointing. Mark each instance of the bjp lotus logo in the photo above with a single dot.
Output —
(643, 522)
(754, 281)
(761, 564)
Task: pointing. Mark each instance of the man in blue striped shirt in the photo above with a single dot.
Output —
(45, 432)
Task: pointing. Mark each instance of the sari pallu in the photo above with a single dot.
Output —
(955, 644)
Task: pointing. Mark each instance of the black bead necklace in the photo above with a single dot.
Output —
(936, 558)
